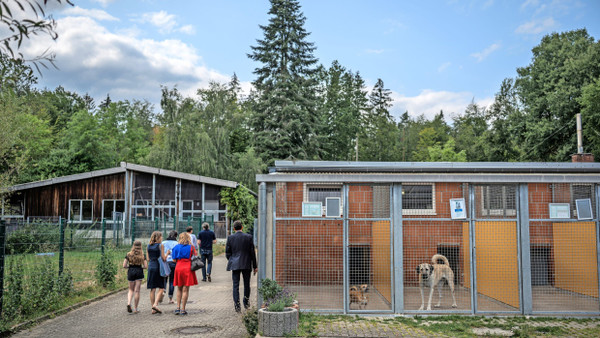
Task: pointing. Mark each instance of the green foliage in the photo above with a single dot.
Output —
(285, 119)
(41, 291)
(241, 205)
(447, 153)
(250, 320)
(106, 269)
(275, 297)
(590, 115)
(550, 88)
(33, 237)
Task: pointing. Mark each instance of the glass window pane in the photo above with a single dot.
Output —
(75, 210)
(107, 209)
(86, 210)
(120, 206)
(417, 196)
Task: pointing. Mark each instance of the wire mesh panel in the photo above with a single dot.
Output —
(369, 248)
(422, 240)
(309, 261)
(564, 273)
(496, 243)
(44, 265)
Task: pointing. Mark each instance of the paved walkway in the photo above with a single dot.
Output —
(210, 309)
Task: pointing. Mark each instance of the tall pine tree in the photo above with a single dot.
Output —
(285, 120)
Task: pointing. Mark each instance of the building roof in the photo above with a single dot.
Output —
(332, 171)
(124, 166)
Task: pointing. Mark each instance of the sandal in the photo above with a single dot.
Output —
(177, 312)
(129, 308)
(183, 313)
(155, 310)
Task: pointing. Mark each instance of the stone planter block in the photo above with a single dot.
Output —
(277, 324)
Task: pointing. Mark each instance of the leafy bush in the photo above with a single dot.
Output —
(20, 242)
(34, 237)
(275, 297)
(41, 291)
(250, 319)
(106, 270)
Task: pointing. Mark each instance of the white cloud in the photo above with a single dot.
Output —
(527, 3)
(165, 22)
(94, 60)
(187, 29)
(536, 26)
(480, 56)
(97, 14)
(374, 51)
(104, 3)
(443, 67)
(430, 102)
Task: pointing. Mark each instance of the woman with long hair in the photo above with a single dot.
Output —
(184, 276)
(135, 263)
(168, 246)
(155, 252)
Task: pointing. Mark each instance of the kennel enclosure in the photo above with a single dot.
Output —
(521, 238)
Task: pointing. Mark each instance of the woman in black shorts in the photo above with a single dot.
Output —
(136, 263)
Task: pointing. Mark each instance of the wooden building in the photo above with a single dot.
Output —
(127, 192)
(521, 238)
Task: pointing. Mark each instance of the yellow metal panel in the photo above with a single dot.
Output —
(466, 255)
(497, 261)
(575, 257)
(382, 259)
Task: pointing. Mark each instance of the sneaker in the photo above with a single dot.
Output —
(209, 280)
(204, 280)
(129, 308)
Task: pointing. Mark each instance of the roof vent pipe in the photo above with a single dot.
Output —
(579, 135)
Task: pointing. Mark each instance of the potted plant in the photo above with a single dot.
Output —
(279, 314)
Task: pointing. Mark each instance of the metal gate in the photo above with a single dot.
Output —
(368, 249)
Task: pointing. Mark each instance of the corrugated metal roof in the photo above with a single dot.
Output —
(121, 169)
(435, 167)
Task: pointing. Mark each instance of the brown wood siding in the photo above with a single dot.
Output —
(53, 200)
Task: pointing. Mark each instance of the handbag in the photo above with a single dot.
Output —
(196, 263)
(165, 269)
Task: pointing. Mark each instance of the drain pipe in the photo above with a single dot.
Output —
(579, 135)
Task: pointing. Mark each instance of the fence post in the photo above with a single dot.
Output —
(155, 223)
(132, 230)
(103, 236)
(2, 249)
(61, 248)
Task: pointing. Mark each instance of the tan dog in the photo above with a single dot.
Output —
(358, 295)
(431, 275)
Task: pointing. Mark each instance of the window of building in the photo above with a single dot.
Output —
(498, 200)
(113, 209)
(418, 199)
(580, 192)
(314, 192)
(81, 210)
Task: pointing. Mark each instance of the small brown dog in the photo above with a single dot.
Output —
(431, 275)
(358, 295)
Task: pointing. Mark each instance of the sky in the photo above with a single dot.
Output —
(432, 55)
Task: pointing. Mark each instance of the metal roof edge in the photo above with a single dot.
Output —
(448, 167)
(124, 166)
(69, 178)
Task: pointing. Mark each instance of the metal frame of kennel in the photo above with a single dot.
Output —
(476, 229)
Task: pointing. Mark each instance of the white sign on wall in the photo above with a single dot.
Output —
(458, 209)
(559, 210)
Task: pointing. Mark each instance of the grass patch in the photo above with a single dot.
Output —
(460, 326)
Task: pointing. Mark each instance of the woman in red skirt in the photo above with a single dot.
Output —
(184, 276)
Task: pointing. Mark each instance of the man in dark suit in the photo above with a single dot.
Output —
(241, 259)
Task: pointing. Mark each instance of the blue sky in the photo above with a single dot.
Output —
(432, 55)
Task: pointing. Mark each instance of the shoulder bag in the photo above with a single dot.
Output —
(196, 263)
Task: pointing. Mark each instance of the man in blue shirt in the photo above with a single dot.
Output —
(206, 239)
